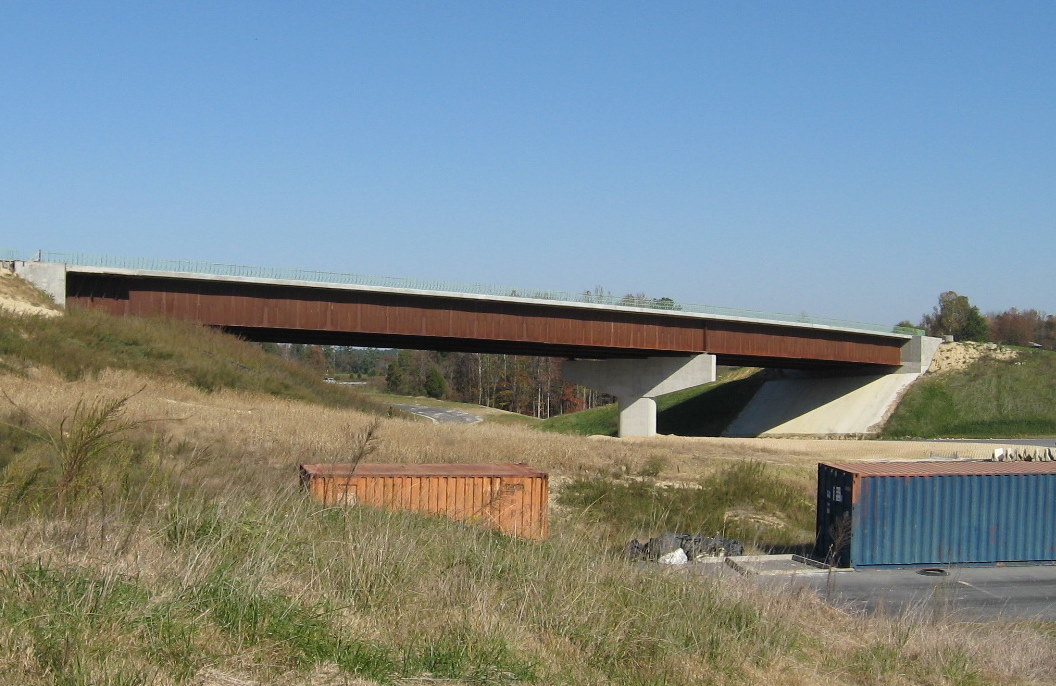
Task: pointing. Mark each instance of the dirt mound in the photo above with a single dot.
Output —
(957, 356)
(22, 298)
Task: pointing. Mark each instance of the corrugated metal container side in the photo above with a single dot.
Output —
(908, 514)
(512, 498)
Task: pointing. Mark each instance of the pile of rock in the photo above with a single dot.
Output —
(672, 548)
(955, 356)
(1024, 455)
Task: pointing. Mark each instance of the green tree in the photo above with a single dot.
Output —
(396, 376)
(408, 372)
(635, 300)
(435, 386)
(956, 316)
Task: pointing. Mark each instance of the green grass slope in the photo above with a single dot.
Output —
(992, 398)
(700, 411)
(764, 508)
(85, 343)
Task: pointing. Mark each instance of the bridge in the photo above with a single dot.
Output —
(633, 349)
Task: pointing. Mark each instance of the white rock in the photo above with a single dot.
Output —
(675, 557)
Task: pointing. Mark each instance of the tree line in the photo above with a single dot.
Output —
(334, 360)
(531, 386)
(527, 385)
(955, 316)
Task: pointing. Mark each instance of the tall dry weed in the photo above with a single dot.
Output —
(93, 431)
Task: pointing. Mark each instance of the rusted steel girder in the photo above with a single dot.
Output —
(354, 316)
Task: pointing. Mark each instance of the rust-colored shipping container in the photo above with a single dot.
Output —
(509, 497)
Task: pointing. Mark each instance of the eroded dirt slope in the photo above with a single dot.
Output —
(20, 297)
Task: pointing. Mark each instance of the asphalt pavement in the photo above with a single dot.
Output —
(1035, 442)
(440, 414)
(962, 593)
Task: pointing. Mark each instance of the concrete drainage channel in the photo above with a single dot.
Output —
(680, 549)
(774, 565)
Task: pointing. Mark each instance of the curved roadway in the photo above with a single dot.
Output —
(441, 414)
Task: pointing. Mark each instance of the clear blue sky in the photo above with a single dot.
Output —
(840, 159)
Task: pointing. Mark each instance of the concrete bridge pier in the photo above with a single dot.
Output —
(636, 382)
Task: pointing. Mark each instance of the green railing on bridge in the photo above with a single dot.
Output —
(315, 276)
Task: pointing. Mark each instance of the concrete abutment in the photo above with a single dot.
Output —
(824, 403)
(49, 277)
(796, 403)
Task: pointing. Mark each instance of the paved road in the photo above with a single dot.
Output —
(967, 593)
(440, 414)
(1036, 442)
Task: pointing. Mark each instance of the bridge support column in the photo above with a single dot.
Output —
(635, 382)
(637, 416)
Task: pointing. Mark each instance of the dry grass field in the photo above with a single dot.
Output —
(289, 430)
(190, 556)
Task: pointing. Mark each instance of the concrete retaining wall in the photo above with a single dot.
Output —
(802, 405)
(812, 404)
(47, 276)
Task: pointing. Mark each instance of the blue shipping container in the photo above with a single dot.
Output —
(931, 513)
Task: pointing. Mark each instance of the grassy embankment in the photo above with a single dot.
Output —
(749, 501)
(81, 344)
(700, 411)
(154, 533)
(992, 398)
